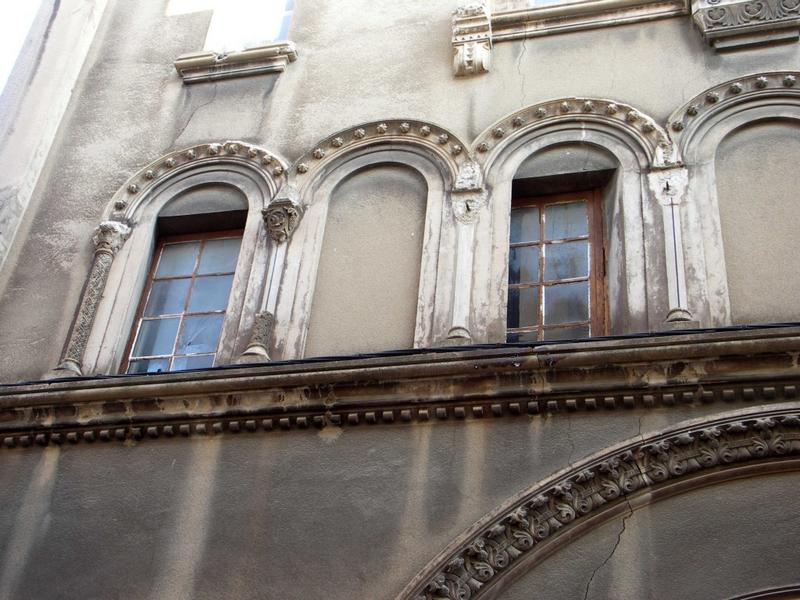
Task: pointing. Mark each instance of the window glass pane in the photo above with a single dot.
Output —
(525, 225)
(570, 259)
(177, 259)
(523, 265)
(210, 293)
(219, 256)
(522, 336)
(181, 363)
(156, 336)
(523, 307)
(566, 302)
(567, 333)
(167, 297)
(564, 220)
(153, 365)
(200, 334)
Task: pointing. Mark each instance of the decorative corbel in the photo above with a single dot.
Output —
(283, 214)
(472, 39)
(108, 239)
(668, 186)
(281, 217)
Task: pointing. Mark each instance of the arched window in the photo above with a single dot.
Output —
(189, 263)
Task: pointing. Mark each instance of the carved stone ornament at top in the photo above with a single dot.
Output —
(282, 215)
(109, 236)
(555, 506)
(472, 39)
(727, 24)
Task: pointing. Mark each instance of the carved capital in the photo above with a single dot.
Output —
(109, 236)
(469, 177)
(282, 215)
(729, 24)
(472, 39)
(668, 185)
(467, 206)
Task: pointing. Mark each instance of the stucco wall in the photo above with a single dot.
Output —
(355, 64)
(757, 186)
(336, 513)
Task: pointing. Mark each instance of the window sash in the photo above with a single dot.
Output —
(595, 324)
(193, 277)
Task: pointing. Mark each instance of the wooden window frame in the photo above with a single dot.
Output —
(598, 307)
(160, 243)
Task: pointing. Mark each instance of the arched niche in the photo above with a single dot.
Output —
(422, 184)
(212, 180)
(757, 184)
(366, 292)
(699, 127)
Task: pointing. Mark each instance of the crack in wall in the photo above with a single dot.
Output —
(194, 112)
(613, 550)
(519, 71)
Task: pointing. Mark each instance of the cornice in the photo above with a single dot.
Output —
(561, 507)
(474, 383)
(729, 24)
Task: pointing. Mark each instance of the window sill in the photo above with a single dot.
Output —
(198, 67)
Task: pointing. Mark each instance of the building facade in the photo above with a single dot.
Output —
(422, 300)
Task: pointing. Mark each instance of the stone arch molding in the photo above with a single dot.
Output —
(552, 512)
(628, 123)
(450, 153)
(133, 196)
(124, 239)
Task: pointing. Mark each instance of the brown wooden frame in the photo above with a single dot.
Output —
(598, 309)
(161, 242)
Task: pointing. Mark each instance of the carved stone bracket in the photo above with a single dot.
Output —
(211, 66)
(727, 24)
(108, 238)
(283, 214)
(472, 40)
(547, 511)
